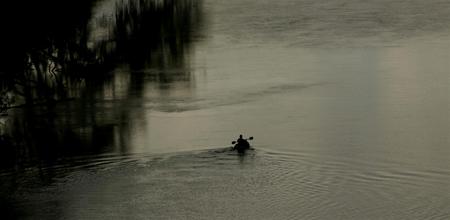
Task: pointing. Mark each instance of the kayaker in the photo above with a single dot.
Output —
(242, 142)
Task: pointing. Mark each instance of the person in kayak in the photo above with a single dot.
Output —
(242, 143)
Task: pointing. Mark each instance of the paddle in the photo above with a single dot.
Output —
(250, 138)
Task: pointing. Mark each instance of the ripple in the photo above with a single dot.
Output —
(263, 184)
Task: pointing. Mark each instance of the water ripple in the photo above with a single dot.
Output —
(273, 185)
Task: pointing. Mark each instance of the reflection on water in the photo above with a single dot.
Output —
(147, 42)
(126, 108)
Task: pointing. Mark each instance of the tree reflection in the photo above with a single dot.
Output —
(51, 55)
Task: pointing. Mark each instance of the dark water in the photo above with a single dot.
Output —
(219, 184)
(127, 109)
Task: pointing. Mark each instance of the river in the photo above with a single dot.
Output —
(348, 102)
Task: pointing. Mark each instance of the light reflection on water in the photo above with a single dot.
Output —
(348, 102)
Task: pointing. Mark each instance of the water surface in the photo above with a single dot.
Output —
(348, 102)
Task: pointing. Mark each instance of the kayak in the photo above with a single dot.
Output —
(241, 145)
(241, 148)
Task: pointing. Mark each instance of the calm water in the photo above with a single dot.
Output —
(348, 101)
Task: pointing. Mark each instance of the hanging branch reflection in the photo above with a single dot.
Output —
(54, 58)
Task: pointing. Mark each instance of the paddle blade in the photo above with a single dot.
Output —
(233, 142)
(250, 138)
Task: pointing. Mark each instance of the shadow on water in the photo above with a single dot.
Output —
(57, 74)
